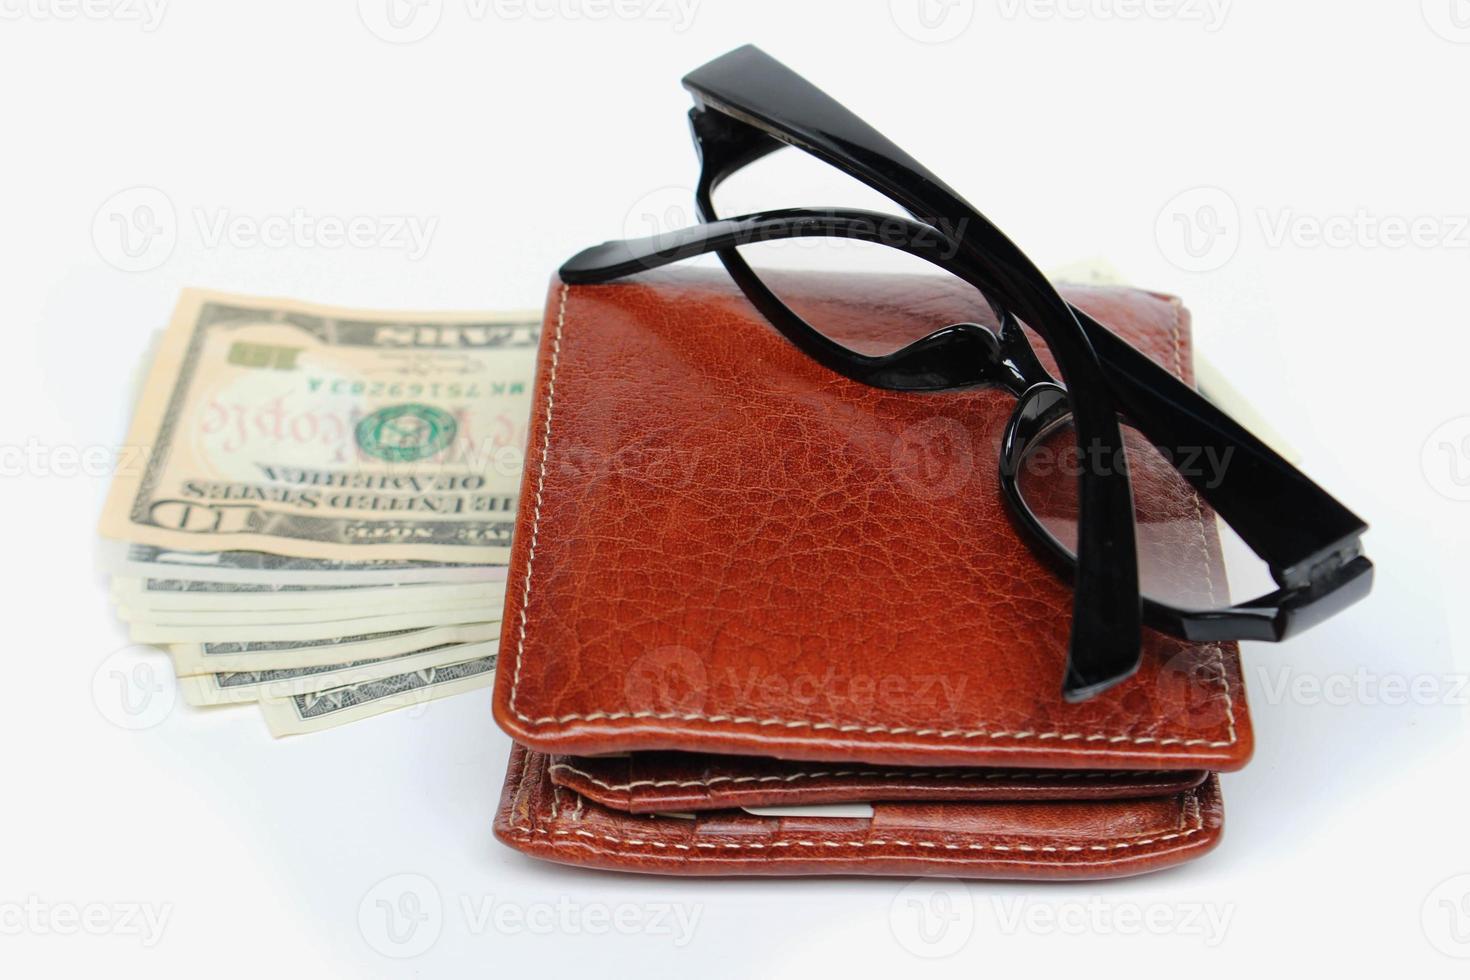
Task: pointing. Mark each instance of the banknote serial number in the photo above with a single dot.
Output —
(348, 387)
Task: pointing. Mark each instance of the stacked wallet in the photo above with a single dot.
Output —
(742, 582)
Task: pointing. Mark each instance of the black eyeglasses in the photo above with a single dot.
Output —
(747, 105)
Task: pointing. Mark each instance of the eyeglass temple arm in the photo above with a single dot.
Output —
(1302, 532)
(618, 258)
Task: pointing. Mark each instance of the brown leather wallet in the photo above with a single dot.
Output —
(741, 581)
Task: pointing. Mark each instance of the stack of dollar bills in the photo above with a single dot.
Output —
(315, 505)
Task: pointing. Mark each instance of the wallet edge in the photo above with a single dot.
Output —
(528, 820)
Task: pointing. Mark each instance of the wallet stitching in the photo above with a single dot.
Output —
(1178, 337)
(802, 723)
(841, 773)
(634, 842)
(1190, 806)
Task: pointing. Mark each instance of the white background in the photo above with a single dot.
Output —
(528, 131)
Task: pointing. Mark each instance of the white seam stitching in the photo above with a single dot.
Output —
(948, 846)
(844, 773)
(1115, 845)
(788, 723)
(1199, 514)
(561, 313)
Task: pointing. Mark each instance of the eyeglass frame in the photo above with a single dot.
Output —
(748, 105)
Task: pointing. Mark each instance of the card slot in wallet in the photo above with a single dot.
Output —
(659, 782)
(1020, 840)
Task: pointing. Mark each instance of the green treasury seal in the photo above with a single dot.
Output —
(404, 433)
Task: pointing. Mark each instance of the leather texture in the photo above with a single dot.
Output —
(659, 782)
(1032, 840)
(724, 548)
